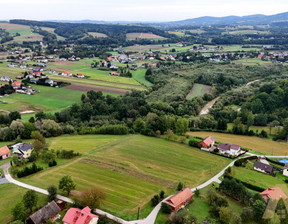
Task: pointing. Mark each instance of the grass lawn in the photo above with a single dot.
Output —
(255, 177)
(198, 90)
(252, 61)
(10, 195)
(130, 169)
(49, 99)
(139, 76)
(257, 144)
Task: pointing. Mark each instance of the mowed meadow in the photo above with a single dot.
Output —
(130, 169)
(258, 145)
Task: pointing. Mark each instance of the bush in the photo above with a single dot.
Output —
(28, 170)
(165, 208)
(194, 143)
(155, 200)
(52, 163)
(112, 130)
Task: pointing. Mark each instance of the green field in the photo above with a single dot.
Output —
(198, 90)
(252, 61)
(130, 169)
(257, 144)
(243, 32)
(11, 72)
(49, 99)
(10, 195)
(139, 76)
(274, 130)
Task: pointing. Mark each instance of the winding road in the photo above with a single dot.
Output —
(150, 219)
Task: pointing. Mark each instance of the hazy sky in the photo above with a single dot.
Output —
(136, 10)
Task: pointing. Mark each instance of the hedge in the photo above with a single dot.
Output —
(274, 161)
(250, 186)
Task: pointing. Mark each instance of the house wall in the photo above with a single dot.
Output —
(285, 172)
(262, 171)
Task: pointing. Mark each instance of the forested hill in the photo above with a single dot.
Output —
(77, 30)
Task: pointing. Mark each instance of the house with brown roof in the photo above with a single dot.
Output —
(78, 216)
(262, 167)
(180, 199)
(4, 152)
(49, 211)
(229, 150)
(274, 193)
(207, 143)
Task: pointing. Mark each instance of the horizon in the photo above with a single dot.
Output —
(128, 10)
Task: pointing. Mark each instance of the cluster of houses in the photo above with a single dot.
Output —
(274, 56)
(73, 216)
(22, 150)
(226, 149)
(17, 85)
(69, 74)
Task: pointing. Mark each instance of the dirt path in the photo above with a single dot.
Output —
(249, 83)
(208, 106)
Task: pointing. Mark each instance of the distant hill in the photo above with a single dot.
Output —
(232, 20)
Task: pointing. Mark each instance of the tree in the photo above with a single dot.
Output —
(250, 120)
(225, 214)
(275, 220)
(197, 192)
(165, 208)
(92, 197)
(15, 160)
(67, 184)
(247, 214)
(138, 125)
(19, 212)
(235, 219)
(181, 125)
(161, 194)
(15, 115)
(259, 209)
(52, 192)
(17, 126)
(180, 186)
(30, 199)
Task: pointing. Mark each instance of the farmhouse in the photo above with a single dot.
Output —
(229, 150)
(49, 211)
(80, 76)
(77, 216)
(207, 143)
(273, 193)
(285, 170)
(23, 150)
(68, 74)
(16, 84)
(262, 167)
(4, 152)
(180, 199)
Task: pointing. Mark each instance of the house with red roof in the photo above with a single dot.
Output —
(207, 143)
(80, 76)
(180, 199)
(78, 216)
(16, 84)
(114, 74)
(4, 152)
(67, 74)
(274, 193)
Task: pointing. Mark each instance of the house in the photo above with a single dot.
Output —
(262, 167)
(273, 193)
(208, 142)
(4, 152)
(80, 76)
(285, 170)
(5, 78)
(77, 216)
(49, 211)
(180, 199)
(23, 150)
(49, 82)
(68, 74)
(229, 150)
(114, 74)
(16, 84)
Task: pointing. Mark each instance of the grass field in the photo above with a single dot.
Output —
(274, 130)
(198, 90)
(243, 32)
(10, 195)
(133, 36)
(139, 76)
(130, 169)
(49, 99)
(11, 72)
(96, 34)
(257, 144)
(252, 61)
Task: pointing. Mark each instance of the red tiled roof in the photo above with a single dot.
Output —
(209, 140)
(273, 193)
(77, 216)
(180, 197)
(16, 83)
(4, 151)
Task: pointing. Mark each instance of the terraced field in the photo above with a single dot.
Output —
(133, 36)
(130, 169)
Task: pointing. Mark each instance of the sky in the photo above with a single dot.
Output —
(135, 10)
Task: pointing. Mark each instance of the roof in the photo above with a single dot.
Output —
(224, 147)
(180, 197)
(286, 166)
(16, 83)
(273, 193)
(209, 140)
(4, 151)
(235, 147)
(267, 168)
(77, 216)
(45, 213)
(25, 147)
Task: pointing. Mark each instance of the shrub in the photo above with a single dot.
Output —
(155, 200)
(165, 208)
(52, 163)
(28, 170)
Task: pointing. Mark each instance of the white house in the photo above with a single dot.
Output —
(285, 170)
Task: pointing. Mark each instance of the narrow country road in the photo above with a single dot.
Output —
(208, 106)
(150, 219)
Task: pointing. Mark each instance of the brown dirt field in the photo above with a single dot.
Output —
(8, 26)
(62, 63)
(86, 87)
(51, 30)
(30, 38)
(144, 47)
(132, 36)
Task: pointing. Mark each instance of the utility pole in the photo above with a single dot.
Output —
(138, 213)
